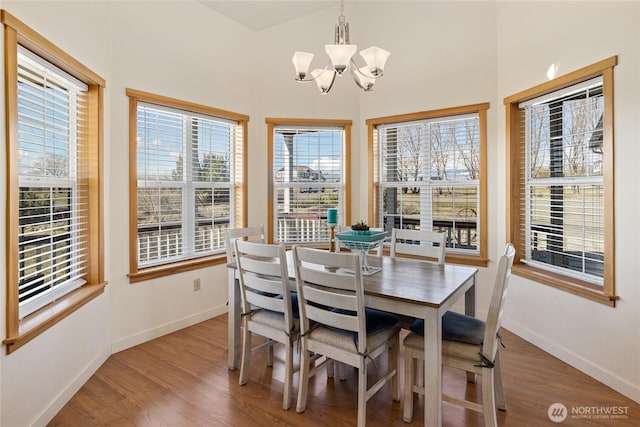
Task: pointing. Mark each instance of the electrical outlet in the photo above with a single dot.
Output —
(196, 284)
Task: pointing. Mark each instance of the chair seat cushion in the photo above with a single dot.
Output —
(452, 349)
(295, 308)
(456, 327)
(272, 319)
(347, 340)
(381, 326)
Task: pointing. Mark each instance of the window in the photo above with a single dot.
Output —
(54, 256)
(188, 184)
(561, 192)
(428, 173)
(308, 164)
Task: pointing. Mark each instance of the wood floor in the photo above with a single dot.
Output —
(182, 379)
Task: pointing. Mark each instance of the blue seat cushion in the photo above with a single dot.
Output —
(295, 308)
(456, 327)
(376, 320)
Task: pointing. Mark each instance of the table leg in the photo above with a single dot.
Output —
(433, 368)
(233, 321)
(470, 299)
(470, 310)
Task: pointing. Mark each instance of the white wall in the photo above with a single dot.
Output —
(443, 54)
(603, 342)
(181, 50)
(177, 49)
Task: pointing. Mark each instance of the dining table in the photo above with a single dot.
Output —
(408, 287)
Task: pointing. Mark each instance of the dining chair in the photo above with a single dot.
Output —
(266, 305)
(424, 244)
(469, 344)
(348, 333)
(252, 234)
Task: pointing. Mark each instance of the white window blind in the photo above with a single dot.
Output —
(429, 178)
(564, 187)
(186, 165)
(308, 177)
(53, 200)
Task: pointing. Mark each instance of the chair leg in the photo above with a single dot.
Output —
(342, 371)
(270, 354)
(471, 377)
(394, 353)
(409, 364)
(488, 398)
(303, 384)
(288, 377)
(418, 375)
(330, 368)
(362, 393)
(246, 355)
(501, 402)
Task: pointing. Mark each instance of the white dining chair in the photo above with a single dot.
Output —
(252, 234)
(468, 344)
(422, 243)
(267, 308)
(347, 333)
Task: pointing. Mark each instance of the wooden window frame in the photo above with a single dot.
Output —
(272, 123)
(19, 332)
(480, 260)
(137, 274)
(515, 216)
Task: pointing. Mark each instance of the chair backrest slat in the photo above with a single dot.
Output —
(263, 284)
(330, 298)
(320, 277)
(266, 302)
(330, 318)
(430, 244)
(263, 266)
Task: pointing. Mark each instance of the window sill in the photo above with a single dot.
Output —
(175, 268)
(41, 320)
(567, 284)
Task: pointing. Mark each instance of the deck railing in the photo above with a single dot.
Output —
(158, 242)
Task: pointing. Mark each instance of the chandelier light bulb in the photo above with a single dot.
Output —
(301, 62)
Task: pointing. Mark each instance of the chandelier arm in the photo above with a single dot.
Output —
(311, 79)
(355, 69)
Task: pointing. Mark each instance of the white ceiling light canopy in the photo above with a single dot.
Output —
(341, 56)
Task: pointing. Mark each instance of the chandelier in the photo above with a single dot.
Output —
(341, 55)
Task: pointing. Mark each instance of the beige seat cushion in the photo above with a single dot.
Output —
(450, 348)
(272, 319)
(345, 340)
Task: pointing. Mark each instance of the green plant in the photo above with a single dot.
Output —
(360, 226)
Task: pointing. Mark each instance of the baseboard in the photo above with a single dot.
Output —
(610, 379)
(73, 388)
(167, 328)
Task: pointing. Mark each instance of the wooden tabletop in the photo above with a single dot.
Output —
(409, 280)
(415, 281)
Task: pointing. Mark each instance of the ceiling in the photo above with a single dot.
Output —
(259, 15)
